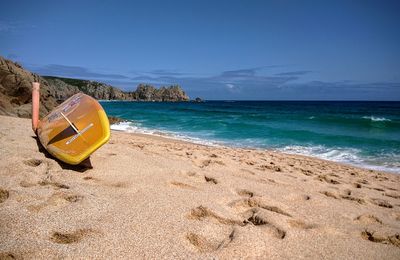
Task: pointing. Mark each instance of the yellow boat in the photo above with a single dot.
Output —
(74, 129)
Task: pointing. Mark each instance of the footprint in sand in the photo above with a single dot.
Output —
(330, 194)
(392, 195)
(204, 245)
(208, 162)
(119, 184)
(191, 174)
(325, 178)
(183, 185)
(352, 198)
(73, 198)
(4, 194)
(201, 243)
(54, 184)
(378, 237)
(345, 196)
(27, 183)
(69, 237)
(381, 203)
(255, 217)
(201, 213)
(245, 193)
(265, 167)
(210, 179)
(56, 200)
(256, 202)
(300, 224)
(33, 162)
(368, 219)
(378, 189)
(8, 256)
(306, 172)
(39, 167)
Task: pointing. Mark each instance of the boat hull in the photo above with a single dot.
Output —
(74, 129)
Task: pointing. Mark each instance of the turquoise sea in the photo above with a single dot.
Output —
(365, 134)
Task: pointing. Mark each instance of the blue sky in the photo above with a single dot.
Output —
(262, 50)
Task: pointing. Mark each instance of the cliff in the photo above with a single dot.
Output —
(170, 94)
(16, 87)
(65, 87)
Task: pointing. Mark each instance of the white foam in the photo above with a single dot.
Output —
(135, 127)
(124, 126)
(345, 155)
(376, 119)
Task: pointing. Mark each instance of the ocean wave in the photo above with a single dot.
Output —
(134, 127)
(350, 156)
(386, 162)
(376, 119)
(338, 154)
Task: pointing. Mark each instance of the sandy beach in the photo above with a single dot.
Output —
(152, 197)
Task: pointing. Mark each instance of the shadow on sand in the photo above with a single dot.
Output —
(82, 167)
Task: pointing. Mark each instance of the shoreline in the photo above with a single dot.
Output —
(167, 138)
(148, 196)
(193, 140)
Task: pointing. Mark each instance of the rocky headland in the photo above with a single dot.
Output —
(16, 87)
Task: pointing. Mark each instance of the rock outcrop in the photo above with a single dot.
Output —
(16, 89)
(144, 92)
(62, 90)
(170, 94)
(66, 87)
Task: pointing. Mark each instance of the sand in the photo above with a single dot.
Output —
(152, 197)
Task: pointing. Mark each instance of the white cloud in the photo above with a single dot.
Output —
(232, 88)
(15, 26)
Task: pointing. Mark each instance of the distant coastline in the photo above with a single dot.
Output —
(16, 85)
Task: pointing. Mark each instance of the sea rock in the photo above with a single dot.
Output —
(173, 93)
(114, 120)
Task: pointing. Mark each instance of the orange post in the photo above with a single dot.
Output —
(35, 105)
